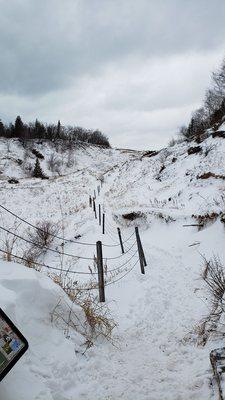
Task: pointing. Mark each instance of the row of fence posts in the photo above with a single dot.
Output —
(101, 215)
(101, 220)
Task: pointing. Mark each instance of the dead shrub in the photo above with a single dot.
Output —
(220, 134)
(133, 215)
(207, 175)
(54, 163)
(97, 322)
(9, 242)
(206, 219)
(30, 258)
(214, 277)
(194, 150)
(150, 153)
(44, 234)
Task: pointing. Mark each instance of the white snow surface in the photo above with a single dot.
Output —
(155, 354)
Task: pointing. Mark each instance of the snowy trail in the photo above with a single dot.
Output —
(156, 356)
(154, 312)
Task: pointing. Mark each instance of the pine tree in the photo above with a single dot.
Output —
(18, 127)
(2, 128)
(38, 173)
(58, 132)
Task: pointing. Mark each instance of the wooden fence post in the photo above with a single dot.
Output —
(140, 250)
(120, 239)
(99, 214)
(143, 254)
(103, 223)
(90, 201)
(101, 283)
(94, 208)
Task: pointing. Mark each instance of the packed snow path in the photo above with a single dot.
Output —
(155, 312)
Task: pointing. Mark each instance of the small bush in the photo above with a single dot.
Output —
(9, 241)
(220, 134)
(206, 219)
(150, 153)
(214, 277)
(54, 163)
(37, 172)
(133, 215)
(96, 321)
(13, 181)
(194, 150)
(208, 175)
(38, 154)
(44, 234)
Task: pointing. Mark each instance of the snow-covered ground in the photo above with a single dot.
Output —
(155, 353)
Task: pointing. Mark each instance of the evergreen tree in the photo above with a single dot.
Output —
(18, 127)
(2, 128)
(58, 132)
(38, 173)
(39, 130)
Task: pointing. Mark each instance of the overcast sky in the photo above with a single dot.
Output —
(135, 69)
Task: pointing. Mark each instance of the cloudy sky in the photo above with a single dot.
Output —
(135, 69)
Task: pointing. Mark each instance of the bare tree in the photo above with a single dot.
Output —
(54, 163)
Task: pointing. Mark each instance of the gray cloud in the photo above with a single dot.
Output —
(134, 69)
(45, 44)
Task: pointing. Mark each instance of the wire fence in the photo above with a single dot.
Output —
(109, 231)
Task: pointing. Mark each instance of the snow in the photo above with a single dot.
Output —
(28, 298)
(155, 354)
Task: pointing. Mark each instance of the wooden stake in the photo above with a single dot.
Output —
(94, 208)
(99, 214)
(140, 250)
(103, 223)
(120, 239)
(101, 283)
(143, 254)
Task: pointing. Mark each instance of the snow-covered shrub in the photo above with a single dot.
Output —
(37, 172)
(213, 324)
(8, 242)
(43, 236)
(54, 163)
(71, 160)
(98, 322)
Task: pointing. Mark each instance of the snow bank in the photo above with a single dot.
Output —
(28, 298)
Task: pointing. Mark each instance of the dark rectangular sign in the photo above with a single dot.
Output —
(12, 344)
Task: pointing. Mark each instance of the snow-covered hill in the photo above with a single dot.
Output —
(156, 353)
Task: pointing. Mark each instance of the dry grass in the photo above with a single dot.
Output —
(43, 236)
(97, 322)
(9, 241)
(211, 326)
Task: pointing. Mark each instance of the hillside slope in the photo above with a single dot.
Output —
(156, 352)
